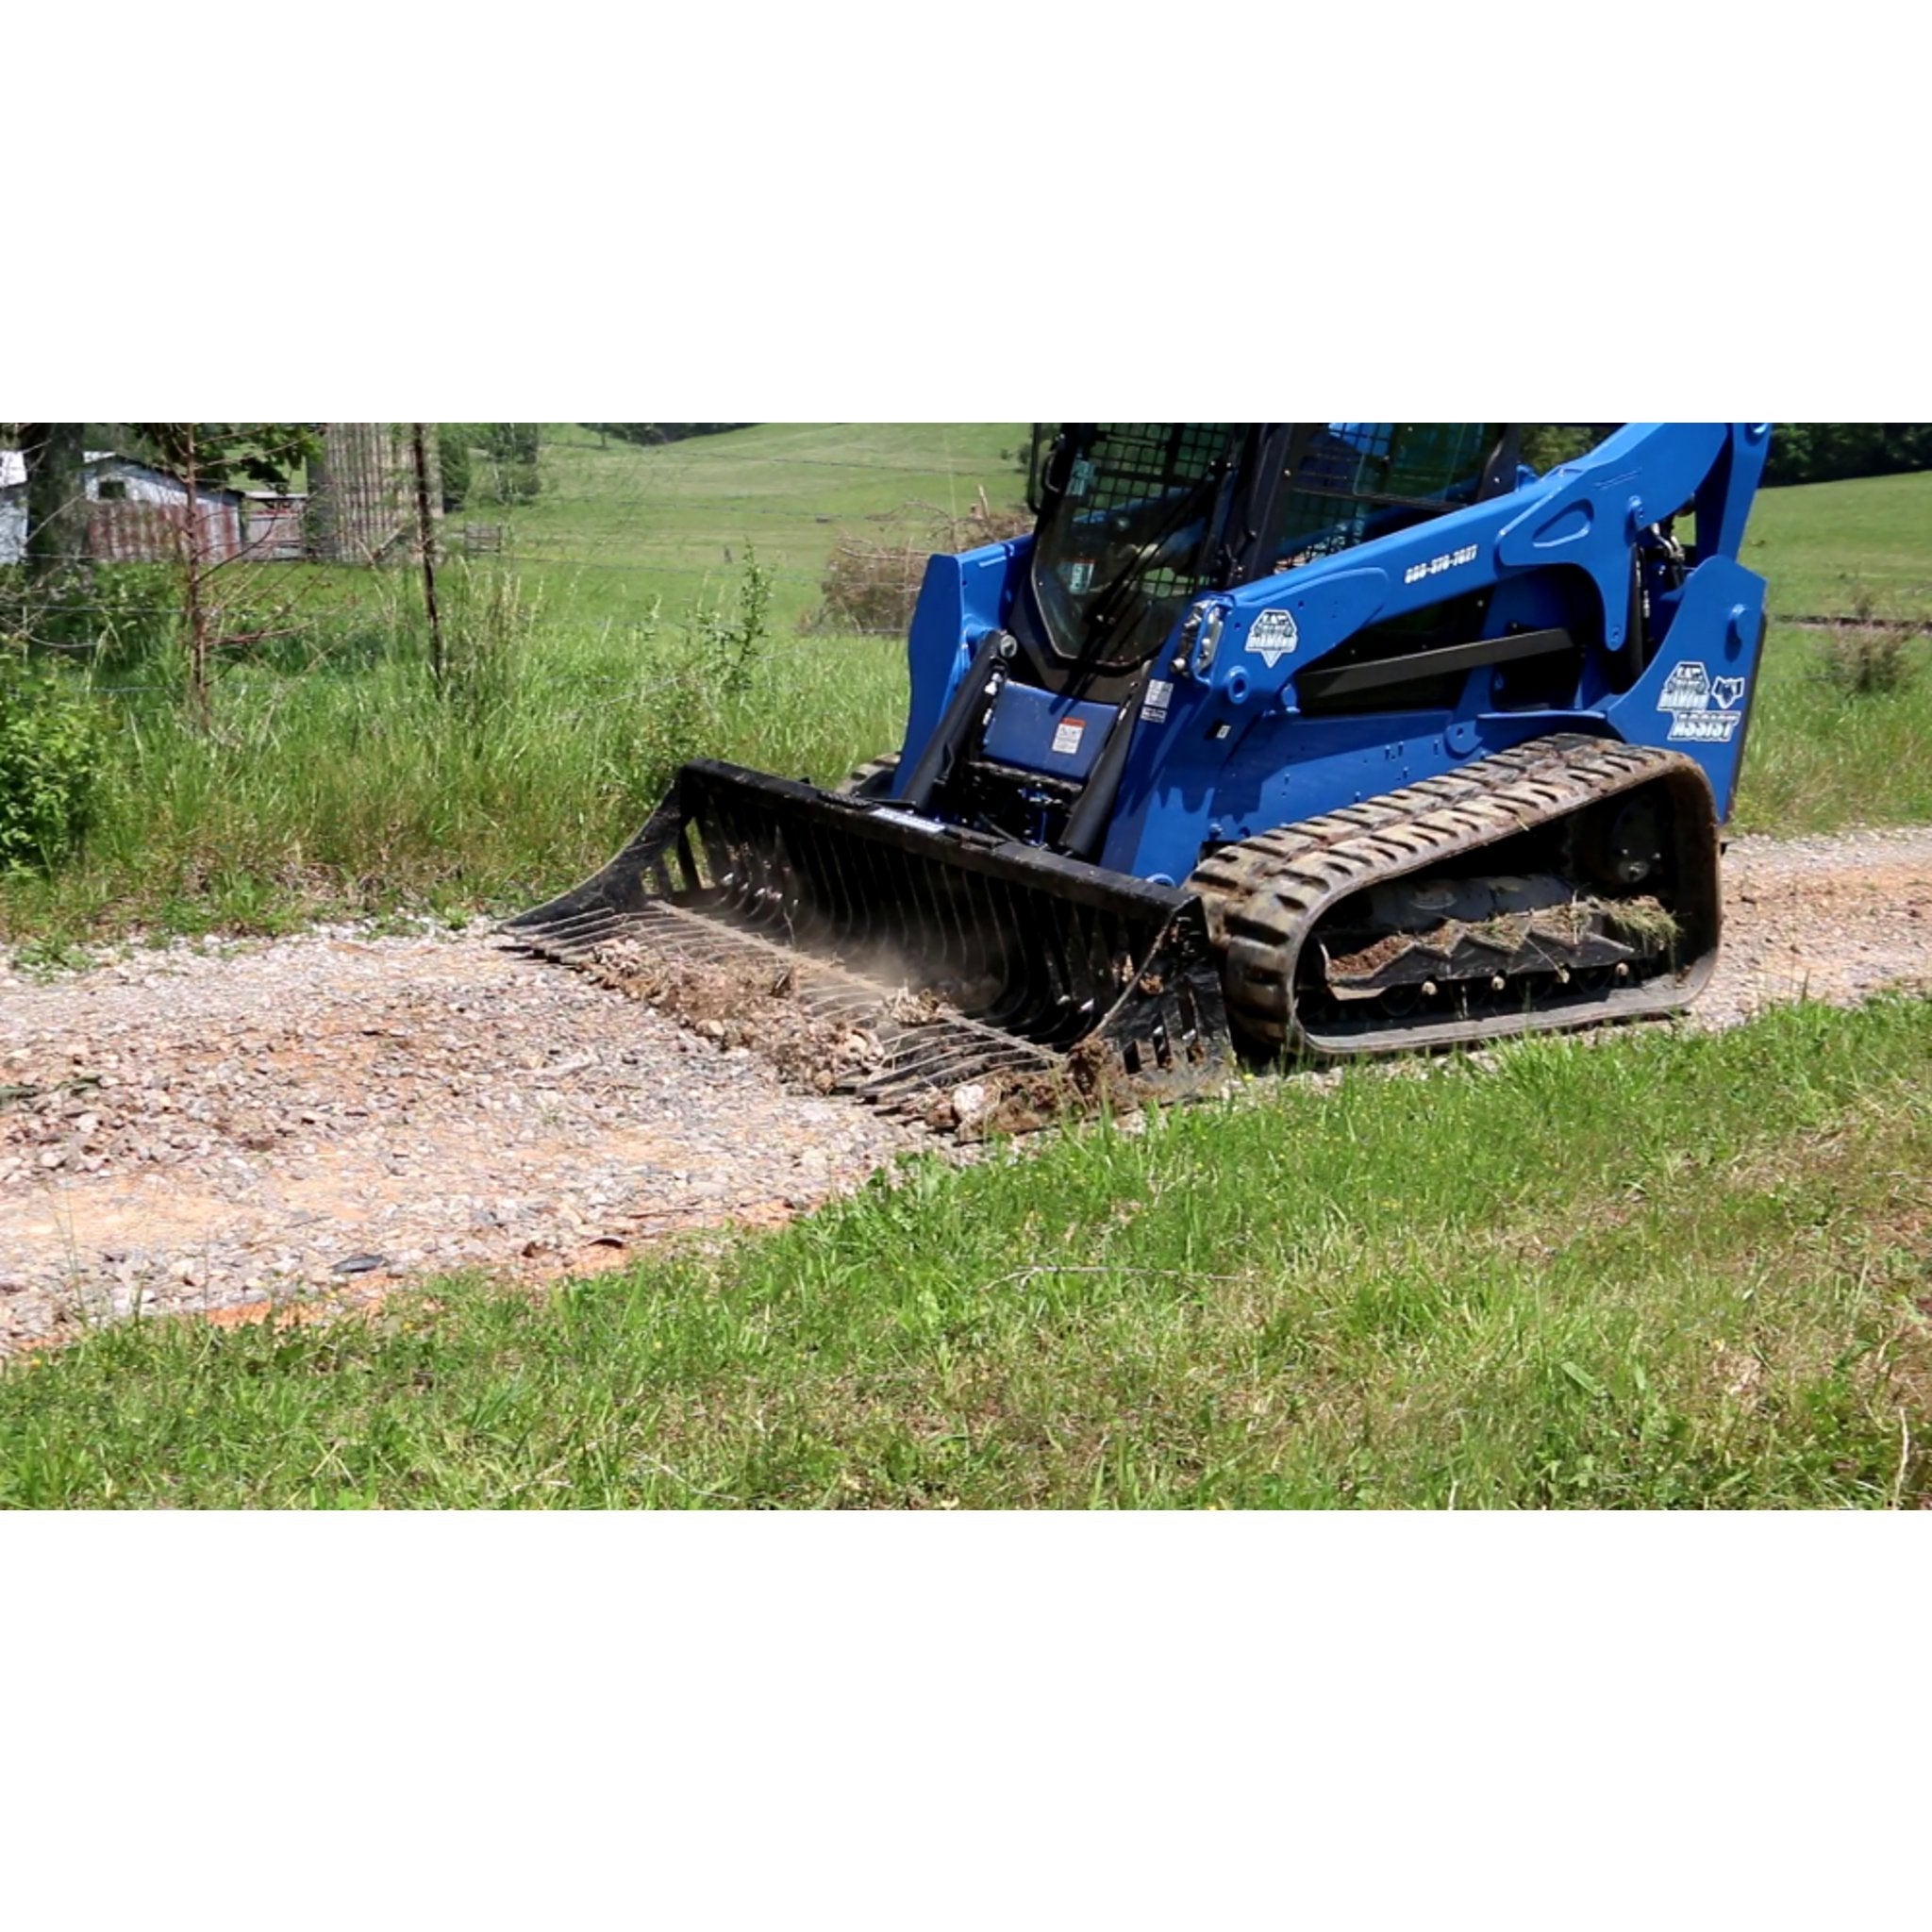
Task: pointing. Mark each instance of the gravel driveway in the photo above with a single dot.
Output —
(332, 1111)
(209, 1130)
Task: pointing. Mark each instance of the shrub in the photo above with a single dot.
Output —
(1868, 655)
(871, 584)
(1869, 659)
(732, 640)
(121, 614)
(134, 615)
(453, 460)
(50, 764)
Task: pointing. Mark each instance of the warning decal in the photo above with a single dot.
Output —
(1066, 740)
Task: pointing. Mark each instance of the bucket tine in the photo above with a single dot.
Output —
(843, 906)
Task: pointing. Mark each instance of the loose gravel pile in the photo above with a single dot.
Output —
(217, 1130)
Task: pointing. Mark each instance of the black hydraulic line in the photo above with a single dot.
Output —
(936, 758)
(1087, 821)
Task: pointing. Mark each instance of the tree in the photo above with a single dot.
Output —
(650, 433)
(511, 451)
(1825, 452)
(1548, 445)
(224, 455)
(55, 457)
(213, 456)
(453, 449)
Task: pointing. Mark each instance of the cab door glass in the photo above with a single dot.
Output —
(1349, 483)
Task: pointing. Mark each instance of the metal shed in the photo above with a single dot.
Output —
(136, 512)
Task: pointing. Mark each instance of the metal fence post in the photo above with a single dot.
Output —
(425, 530)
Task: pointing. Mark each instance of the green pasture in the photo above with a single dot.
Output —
(1846, 549)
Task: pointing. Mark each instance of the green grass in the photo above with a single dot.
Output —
(364, 792)
(1827, 548)
(617, 526)
(1653, 1270)
(1820, 759)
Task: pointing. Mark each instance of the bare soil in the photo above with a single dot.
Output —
(1833, 918)
(274, 1125)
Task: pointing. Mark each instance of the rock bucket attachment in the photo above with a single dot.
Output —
(912, 963)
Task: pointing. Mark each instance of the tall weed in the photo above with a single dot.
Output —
(489, 629)
(1869, 658)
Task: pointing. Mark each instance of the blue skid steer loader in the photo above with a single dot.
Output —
(1325, 739)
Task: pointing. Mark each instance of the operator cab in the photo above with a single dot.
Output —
(1135, 520)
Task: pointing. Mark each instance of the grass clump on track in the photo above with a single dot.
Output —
(1656, 1270)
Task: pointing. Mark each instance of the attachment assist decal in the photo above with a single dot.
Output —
(1273, 636)
(1704, 710)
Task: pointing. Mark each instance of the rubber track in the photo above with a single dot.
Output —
(1265, 896)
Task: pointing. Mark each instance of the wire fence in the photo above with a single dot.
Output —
(159, 568)
(116, 555)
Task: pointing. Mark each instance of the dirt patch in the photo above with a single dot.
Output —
(1833, 919)
(1089, 1077)
(747, 1004)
